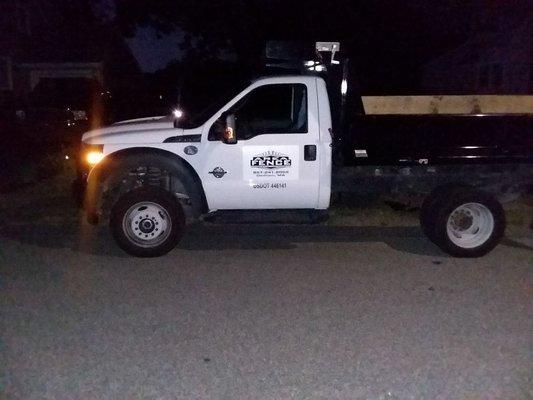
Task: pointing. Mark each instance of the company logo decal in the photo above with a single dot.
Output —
(218, 172)
(270, 164)
(271, 160)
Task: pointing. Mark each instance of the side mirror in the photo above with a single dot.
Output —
(229, 136)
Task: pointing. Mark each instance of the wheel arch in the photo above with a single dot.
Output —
(118, 162)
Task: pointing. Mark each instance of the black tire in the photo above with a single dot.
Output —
(430, 207)
(428, 213)
(481, 216)
(162, 211)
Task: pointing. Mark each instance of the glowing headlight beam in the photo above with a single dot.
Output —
(94, 157)
(177, 113)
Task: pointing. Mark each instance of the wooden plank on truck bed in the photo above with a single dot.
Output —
(468, 104)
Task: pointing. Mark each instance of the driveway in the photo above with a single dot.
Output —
(262, 312)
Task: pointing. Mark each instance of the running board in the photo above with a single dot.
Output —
(267, 216)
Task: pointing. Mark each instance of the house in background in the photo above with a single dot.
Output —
(497, 58)
(42, 41)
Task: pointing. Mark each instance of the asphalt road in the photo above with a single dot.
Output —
(262, 312)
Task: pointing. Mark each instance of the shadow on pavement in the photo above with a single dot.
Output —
(516, 244)
(221, 237)
(200, 237)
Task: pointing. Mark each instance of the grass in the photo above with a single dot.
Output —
(374, 214)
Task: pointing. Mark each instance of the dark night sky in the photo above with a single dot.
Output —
(392, 40)
(154, 50)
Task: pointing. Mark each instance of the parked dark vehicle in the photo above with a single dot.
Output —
(61, 109)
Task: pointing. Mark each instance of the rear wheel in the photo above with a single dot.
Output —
(147, 222)
(467, 223)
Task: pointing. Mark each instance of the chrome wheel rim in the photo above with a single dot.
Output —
(147, 224)
(470, 225)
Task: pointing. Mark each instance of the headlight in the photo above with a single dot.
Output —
(94, 157)
(92, 154)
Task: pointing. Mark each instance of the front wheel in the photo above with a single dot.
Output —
(147, 222)
(468, 223)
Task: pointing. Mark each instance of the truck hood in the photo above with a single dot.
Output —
(142, 130)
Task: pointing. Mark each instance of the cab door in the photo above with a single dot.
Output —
(275, 162)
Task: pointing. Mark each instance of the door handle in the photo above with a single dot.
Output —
(310, 152)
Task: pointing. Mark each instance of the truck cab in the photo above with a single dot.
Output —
(280, 153)
(269, 147)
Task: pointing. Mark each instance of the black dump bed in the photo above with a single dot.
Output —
(436, 139)
(402, 139)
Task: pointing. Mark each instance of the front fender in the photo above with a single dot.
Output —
(123, 161)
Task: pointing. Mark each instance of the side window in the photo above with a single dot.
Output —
(269, 109)
(272, 109)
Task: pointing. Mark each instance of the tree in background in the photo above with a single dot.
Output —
(388, 39)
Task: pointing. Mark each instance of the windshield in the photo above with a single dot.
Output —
(201, 117)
